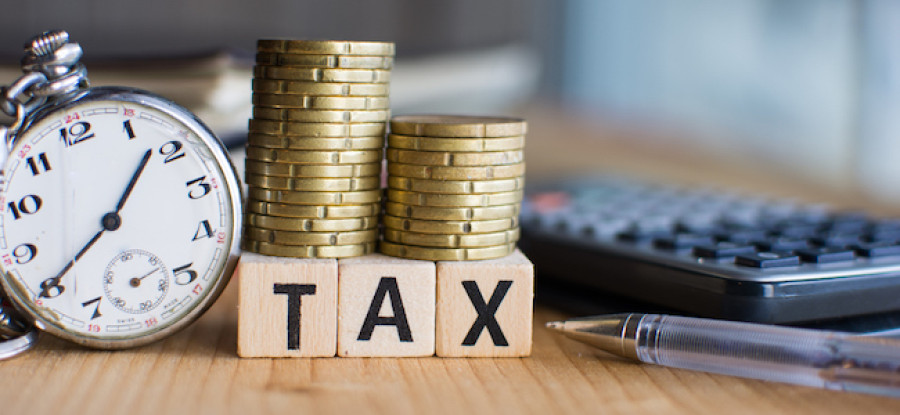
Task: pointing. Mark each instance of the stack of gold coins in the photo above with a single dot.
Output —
(315, 147)
(454, 187)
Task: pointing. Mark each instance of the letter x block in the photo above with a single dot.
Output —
(484, 308)
(385, 306)
(287, 306)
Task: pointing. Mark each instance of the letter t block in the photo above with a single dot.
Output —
(287, 307)
(484, 308)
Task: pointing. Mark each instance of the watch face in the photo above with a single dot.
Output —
(118, 220)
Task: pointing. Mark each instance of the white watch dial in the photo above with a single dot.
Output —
(116, 220)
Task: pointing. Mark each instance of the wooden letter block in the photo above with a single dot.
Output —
(287, 306)
(484, 308)
(386, 306)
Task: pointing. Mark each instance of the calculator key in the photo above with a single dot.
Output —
(605, 228)
(768, 260)
(549, 220)
(743, 236)
(550, 201)
(811, 213)
(699, 223)
(798, 230)
(825, 255)
(887, 231)
(782, 244)
(637, 235)
(877, 249)
(682, 241)
(741, 218)
(528, 215)
(848, 222)
(723, 250)
(775, 209)
(571, 223)
(655, 223)
(837, 239)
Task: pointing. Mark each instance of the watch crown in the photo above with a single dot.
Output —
(52, 54)
(47, 42)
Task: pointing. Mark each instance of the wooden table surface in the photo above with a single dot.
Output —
(198, 371)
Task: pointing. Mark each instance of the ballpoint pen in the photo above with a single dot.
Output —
(830, 360)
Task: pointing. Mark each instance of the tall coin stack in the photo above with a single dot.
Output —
(454, 187)
(315, 147)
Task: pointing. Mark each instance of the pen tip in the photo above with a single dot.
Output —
(555, 325)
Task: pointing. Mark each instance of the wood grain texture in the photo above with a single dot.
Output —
(197, 371)
(272, 290)
(485, 307)
(401, 291)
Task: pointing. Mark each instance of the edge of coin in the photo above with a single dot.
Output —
(444, 254)
(458, 126)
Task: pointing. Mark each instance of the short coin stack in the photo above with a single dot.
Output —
(454, 187)
(315, 147)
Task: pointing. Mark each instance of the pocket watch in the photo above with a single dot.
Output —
(119, 210)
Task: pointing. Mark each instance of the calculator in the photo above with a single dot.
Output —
(711, 253)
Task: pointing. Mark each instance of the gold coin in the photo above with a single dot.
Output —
(451, 213)
(320, 88)
(313, 211)
(508, 171)
(310, 225)
(295, 73)
(325, 61)
(462, 159)
(306, 170)
(329, 116)
(444, 254)
(310, 238)
(314, 198)
(321, 102)
(456, 186)
(314, 184)
(452, 227)
(442, 200)
(334, 251)
(456, 144)
(452, 241)
(315, 129)
(314, 157)
(314, 143)
(339, 47)
(457, 126)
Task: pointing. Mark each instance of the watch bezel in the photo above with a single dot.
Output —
(234, 192)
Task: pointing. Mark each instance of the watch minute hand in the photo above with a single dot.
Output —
(79, 255)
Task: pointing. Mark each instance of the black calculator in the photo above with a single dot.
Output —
(710, 253)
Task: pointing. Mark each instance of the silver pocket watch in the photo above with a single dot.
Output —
(120, 211)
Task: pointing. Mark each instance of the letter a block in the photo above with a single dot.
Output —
(287, 306)
(386, 306)
(484, 308)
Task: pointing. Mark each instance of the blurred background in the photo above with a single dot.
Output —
(808, 86)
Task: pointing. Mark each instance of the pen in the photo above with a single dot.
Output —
(808, 357)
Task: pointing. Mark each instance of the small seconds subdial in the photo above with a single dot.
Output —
(136, 281)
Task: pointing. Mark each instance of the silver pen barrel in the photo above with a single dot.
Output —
(799, 356)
